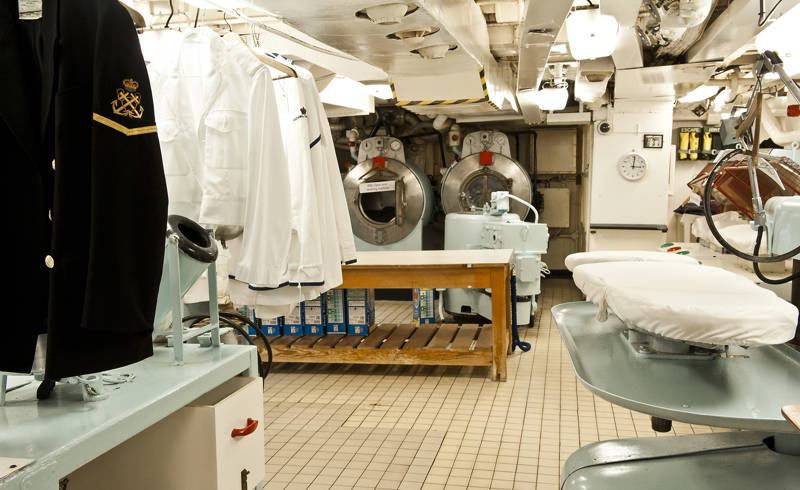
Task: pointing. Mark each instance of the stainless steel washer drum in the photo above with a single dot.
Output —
(381, 213)
(468, 184)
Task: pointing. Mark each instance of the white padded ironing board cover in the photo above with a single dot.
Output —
(574, 260)
(688, 302)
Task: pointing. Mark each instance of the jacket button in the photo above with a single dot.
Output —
(49, 262)
(53, 164)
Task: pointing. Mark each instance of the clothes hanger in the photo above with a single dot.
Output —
(171, 13)
(232, 36)
(138, 19)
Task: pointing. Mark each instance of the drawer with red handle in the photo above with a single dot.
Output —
(214, 443)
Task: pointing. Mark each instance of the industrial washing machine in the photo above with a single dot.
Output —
(470, 189)
(389, 199)
(486, 166)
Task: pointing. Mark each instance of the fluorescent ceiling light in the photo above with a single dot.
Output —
(590, 34)
(348, 93)
(380, 90)
(700, 93)
(781, 37)
(547, 99)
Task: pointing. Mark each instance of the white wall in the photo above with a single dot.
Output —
(614, 200)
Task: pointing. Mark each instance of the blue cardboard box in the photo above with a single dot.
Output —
(335, 312)
(360, 311)
(270, 327)
(313, 316)
(293, 322)
(424, 306)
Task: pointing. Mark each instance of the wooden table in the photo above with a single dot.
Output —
(792, 414)
(467, 345)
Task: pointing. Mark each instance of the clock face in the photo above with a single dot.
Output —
(632, 166)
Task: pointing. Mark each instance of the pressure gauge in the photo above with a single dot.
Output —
(632, 166)
(395, 145)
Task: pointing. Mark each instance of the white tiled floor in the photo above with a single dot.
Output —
(410, 427)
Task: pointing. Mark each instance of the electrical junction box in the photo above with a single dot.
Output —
(556, 209)
(556, 152)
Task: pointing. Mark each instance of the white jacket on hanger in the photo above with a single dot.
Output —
(266, 254)
(347, 248)
(180, 150)
(202, 118)
(333, 232)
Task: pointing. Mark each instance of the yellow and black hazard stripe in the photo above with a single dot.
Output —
(475, 100)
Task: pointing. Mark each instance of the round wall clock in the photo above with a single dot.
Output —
(632, 166)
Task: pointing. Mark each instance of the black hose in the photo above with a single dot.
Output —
(226, 317)
(756, 269)
(515, 340)
(378, 124)
(713, 227)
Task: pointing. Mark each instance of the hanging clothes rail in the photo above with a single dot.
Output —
(279, 33)
(264, 59)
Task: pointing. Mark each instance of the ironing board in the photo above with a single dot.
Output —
(692, 303)
(574, 260)
(792, 414)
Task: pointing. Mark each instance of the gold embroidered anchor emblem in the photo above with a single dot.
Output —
(128, 101)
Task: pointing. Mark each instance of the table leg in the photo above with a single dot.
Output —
(501, 302)
(510, 339)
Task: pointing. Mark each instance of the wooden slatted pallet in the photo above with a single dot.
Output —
(447, 344)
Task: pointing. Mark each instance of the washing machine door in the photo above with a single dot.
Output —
(386, 199)
(468, 184)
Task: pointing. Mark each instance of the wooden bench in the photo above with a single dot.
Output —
(467, 345)
(448, 345)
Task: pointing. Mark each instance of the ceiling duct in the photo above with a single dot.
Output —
(733, 32)
(538, 30)
(628, 51)
(466, 80)
(592, 79)
(661, 82)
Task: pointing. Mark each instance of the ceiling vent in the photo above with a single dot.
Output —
(413, 36)
(386, 14)
(434, 52)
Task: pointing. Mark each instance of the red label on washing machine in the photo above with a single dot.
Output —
(485, 157)
(379, 162)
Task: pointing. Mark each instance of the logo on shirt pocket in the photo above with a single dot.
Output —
(302, 114)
